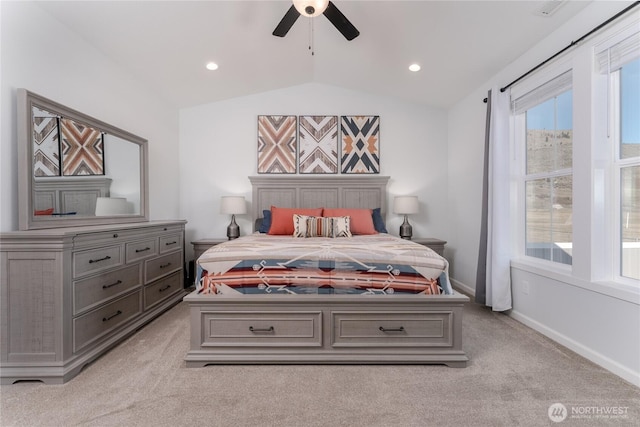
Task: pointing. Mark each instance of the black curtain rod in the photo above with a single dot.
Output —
(572, 44)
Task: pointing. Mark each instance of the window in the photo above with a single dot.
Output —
(576, 163)
(626, 95)
(619, 59)
(547, 114)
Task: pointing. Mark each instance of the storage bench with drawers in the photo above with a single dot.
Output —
(310, 329)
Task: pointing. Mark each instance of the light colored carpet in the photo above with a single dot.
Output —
(514, 375)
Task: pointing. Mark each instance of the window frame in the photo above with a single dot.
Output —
(519, 163)
(617, 164)
(596, 183)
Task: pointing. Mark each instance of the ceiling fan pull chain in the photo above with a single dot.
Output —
(311, 47)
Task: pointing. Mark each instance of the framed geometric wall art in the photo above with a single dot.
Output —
(360, 151)
(318, 142)
(82, 149)
(277, 148)
(46, 143)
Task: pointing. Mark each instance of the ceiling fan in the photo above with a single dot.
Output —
(312, 8)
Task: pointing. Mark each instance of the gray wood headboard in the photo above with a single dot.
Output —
(298, 191)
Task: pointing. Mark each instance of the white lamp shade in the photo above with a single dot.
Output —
(405, 205)
(106, 206)
(234, 205)
(319, 6)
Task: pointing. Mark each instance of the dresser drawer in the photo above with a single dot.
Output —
(392, 329)
(170, 243)
(139, 250)
(162, 289)
(93, 261)
(95, 324)
(97, 289)
(263, 329)
(161, 266)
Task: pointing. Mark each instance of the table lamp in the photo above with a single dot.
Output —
(405, 205)
(234, 205)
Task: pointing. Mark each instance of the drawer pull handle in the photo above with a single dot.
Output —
(269, 329)
(164, 289)
(383, 329)
(165, 265)
(91, 261)
(111, 285)
(171, 243)
(117, 313)
(143, 250)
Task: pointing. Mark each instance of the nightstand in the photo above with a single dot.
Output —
(200, 246)
(436, 244)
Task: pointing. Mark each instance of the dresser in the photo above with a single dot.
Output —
(69, 294)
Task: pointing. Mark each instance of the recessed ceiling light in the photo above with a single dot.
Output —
(212, 66)
(414, 67)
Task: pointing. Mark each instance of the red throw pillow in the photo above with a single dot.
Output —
(282, 219)
(361, 220)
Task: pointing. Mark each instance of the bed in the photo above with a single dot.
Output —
(347, 299)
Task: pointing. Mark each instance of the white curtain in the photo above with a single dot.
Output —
(493, 284)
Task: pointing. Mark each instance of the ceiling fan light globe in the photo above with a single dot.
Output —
(311, 8)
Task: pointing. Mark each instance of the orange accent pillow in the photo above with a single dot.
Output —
(282, 219)
(44, 212)
(361, 219)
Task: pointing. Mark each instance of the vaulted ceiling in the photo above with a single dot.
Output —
(166, 44)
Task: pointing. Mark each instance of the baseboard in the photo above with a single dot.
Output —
(597, 358)
(459, 286)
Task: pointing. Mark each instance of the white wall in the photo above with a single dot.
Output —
(218, 151)
(604, 328)
(41, 55)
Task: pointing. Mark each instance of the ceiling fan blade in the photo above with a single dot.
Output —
(287, 22)
(341, 22)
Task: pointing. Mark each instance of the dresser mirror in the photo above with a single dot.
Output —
(76, 170)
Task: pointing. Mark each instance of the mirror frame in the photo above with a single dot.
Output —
(26, 181)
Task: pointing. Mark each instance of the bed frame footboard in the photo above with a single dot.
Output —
(335, 329)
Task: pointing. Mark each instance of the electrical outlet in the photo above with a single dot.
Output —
(525, 287)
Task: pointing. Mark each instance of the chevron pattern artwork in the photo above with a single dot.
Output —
(318, 144)
(82, 149)
(360, 144)
(277, 144)
(46, 147)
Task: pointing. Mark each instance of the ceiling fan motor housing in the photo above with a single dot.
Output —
(311, 8)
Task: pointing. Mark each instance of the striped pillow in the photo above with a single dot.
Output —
(313, 226)
(340, 225)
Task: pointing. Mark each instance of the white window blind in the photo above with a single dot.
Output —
(612, 58)
(548, 90)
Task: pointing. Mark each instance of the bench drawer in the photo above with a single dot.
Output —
(392, 329)
(263, 329)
